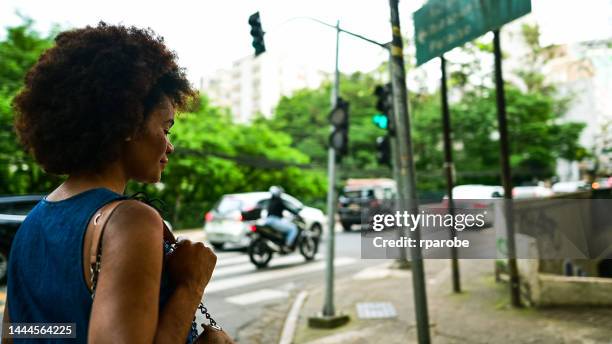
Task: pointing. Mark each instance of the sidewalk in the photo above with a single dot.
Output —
(481, 314)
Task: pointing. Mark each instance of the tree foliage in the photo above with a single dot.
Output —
(18, 52)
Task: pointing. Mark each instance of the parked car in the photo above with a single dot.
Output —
(477, 192)
(361, 197)
(536, 191)
(13, 210)
(573, 186)
(231, 218)
(477, 197)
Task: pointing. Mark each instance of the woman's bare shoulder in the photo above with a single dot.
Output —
(135, 218)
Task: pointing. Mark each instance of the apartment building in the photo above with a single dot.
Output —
(254, 85)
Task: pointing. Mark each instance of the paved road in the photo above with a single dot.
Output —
(238, 291)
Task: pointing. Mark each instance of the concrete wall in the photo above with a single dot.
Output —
(543, 282)
(545, 290)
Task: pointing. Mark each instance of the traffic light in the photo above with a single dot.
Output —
(384, 106)
(383, 150)
(381, 120)
(257, 33)
(338, 117)
(383, 98)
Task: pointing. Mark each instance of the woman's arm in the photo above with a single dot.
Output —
(126, 304)
(175, 320)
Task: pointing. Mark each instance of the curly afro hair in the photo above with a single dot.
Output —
(91, 90)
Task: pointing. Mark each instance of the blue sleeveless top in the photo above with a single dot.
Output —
(45, 270)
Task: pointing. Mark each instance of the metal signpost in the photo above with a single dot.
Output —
(407, 186)
(441, 25)
(448, 170)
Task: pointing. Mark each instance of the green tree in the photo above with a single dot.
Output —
(19, 50)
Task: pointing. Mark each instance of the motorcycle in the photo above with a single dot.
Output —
(265, 241)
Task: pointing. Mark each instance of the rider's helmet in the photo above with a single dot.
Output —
(276, 191)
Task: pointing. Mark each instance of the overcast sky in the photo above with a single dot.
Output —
(208, 35)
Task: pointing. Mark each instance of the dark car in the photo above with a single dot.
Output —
(13, 210)
(362, 197)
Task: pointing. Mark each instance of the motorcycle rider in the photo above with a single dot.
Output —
(275, 218)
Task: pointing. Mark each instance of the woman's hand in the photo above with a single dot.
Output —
(212, 336)
(191, 264)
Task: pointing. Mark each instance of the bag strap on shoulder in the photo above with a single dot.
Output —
(99, 224)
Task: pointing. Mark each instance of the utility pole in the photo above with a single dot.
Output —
(402, 262)
(408, 197)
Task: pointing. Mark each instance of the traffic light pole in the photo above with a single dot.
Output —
(448, 169)
(328, 308)
(328, 317)
(408, 199)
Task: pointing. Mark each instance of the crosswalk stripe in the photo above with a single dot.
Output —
(257, 296)
(225, 255)
(232, 260)
(235, 282)
(276, 261)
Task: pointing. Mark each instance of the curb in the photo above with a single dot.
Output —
(292, 319)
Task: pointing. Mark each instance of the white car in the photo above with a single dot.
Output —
(230, 220)
(574, 186)
(522, 192)
(477, 196)
(477, 192)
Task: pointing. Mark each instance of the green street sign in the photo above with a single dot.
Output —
(441, 25)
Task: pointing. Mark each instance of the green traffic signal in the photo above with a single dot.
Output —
(381, 120)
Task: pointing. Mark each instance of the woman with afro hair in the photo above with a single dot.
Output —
(97, 107)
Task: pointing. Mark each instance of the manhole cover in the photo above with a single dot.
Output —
(376, 310)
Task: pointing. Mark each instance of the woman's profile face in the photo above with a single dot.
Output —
(146, 154)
